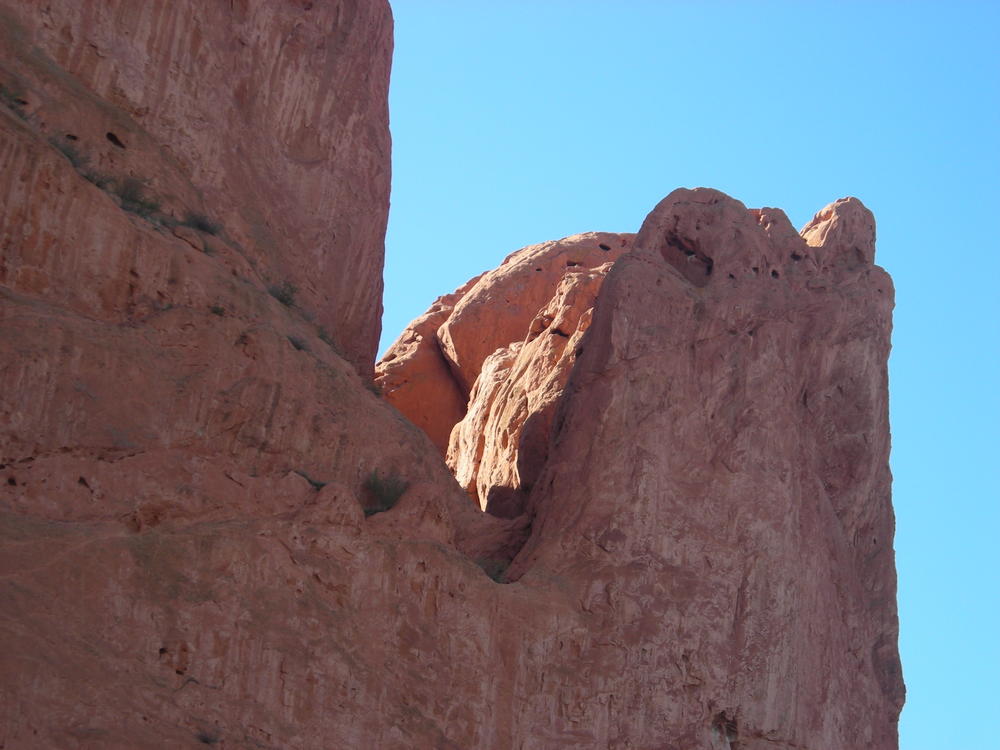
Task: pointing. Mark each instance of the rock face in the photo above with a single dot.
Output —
(693, 469)
(711, 488)
(252, 118)
(486, 364)
(719, 469)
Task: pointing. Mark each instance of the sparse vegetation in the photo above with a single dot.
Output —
(14, 101)
(67, 148)
(207, 738)
(283, 292)
(201, 222)
(494, 568)
(384, 492)
(103, 181)
(298, 343)
(133, 197)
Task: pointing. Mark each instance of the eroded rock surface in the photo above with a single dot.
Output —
(711, 487)
(253, 120)
(718, 492)
(486, 364)
(697, 461)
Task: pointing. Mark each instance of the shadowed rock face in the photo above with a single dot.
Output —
(700, 553)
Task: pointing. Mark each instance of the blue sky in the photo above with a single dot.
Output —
(519, 122)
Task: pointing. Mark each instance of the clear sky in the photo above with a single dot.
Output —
(522, 121)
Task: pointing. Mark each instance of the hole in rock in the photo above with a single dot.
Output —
(796, 256)
(71, 137)
(604, 247)
(755, 269)
(115, 140)
(571, 263)
(538, 269)
(774, 274)
(11, 481)
(163, 650)
(731, 276)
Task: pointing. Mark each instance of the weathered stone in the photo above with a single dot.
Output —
(717, 493)
(497, 310)
(250, 120)
(186, 459)
(500, 446)
(428, 371)
(414, 376)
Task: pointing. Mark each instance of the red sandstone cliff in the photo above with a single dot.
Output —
(694, 450)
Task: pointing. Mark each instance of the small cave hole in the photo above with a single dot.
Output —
(83, 481)
(796, 256)
(538, 269)
(115, 139)
(571, 263)
(71, 137)
(774, 274)
(755, 270)
(731, 276)
(163, 650)
(604, 247)
(11, 481)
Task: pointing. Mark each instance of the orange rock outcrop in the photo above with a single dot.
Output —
(213, 532)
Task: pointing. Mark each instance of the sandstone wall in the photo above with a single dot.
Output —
(701, 539)
(718, 490)
(267, 120)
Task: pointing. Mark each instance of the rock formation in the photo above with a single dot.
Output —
(213, 533)
(265, 124)
(509, 336)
